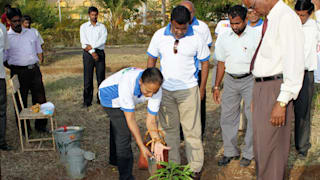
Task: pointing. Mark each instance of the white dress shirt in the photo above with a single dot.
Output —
(3, 46)
(237, 51)
(282, 51)
(93, 35)
(24, 48)
(311, 30)
(38, 35)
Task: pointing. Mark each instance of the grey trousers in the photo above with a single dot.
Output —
(234, 91)
(271, 144)
(3, 110)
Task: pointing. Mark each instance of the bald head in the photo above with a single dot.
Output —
(189, 5)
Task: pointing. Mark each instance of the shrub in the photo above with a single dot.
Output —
(173, 171)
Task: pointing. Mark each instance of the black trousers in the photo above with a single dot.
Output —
(3, 111)
(30, 80)
(302, 111)
(88, 68)
(120, 143)
(202, 109)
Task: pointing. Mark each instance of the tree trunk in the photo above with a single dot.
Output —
(163, 12)
(145, 11)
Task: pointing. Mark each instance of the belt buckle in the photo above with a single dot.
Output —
(31, 66)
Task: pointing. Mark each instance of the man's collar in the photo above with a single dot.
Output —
(195, 22)
(167, 31)
(259, 23)
(232, 33)
(11, 31)
(90, 24)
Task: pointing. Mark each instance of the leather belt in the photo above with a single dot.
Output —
(269, 78)
(25, 67)
(239, 76)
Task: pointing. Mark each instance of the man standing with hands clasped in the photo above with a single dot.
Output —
(278, 68)
(93, 36)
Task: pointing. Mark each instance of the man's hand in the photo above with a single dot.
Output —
(95, 56)
(88, 48)
(202, 93)
(316, 4)
(216, 96)
(145, 151)
(158, 151)
(41, 58)
(278, 115)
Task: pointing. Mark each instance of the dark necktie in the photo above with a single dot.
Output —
(264, 28)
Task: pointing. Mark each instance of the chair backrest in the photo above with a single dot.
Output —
(14, 82)
(15, 85)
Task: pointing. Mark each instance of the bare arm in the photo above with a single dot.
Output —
(204, 78)
(219, 77)
(151, 62)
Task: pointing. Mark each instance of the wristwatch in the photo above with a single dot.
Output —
(216, 88)
(282, 104)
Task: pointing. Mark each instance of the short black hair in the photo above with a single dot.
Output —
(7, 6)
(181, 15)
(152, 75)
(303, 5)
(12, 12)
(26, 18)
(92, 9)
(238, 10)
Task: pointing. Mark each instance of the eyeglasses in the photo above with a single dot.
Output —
(250, 9)
(175, 46)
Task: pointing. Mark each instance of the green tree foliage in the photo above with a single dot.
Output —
(118, 11)
(40, 12)
(209, 10)
(3, 3)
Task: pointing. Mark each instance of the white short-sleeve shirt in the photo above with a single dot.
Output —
(122, 90)
(203, 30)
(258, 26)
(237, 51)
(180, 70)
(222, 26)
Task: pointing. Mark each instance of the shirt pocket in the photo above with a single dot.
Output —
(249, 48)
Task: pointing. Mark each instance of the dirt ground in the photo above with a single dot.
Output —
(63, 83)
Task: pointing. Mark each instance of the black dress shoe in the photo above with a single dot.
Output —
(196, 175)
(244, 162)
(5, 147)
(303, 154)
(226, 160)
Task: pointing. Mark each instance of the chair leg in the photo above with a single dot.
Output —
(53, 140)
(26, 131)
(20, 132)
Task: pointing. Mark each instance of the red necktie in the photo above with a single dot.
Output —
(264, 29)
